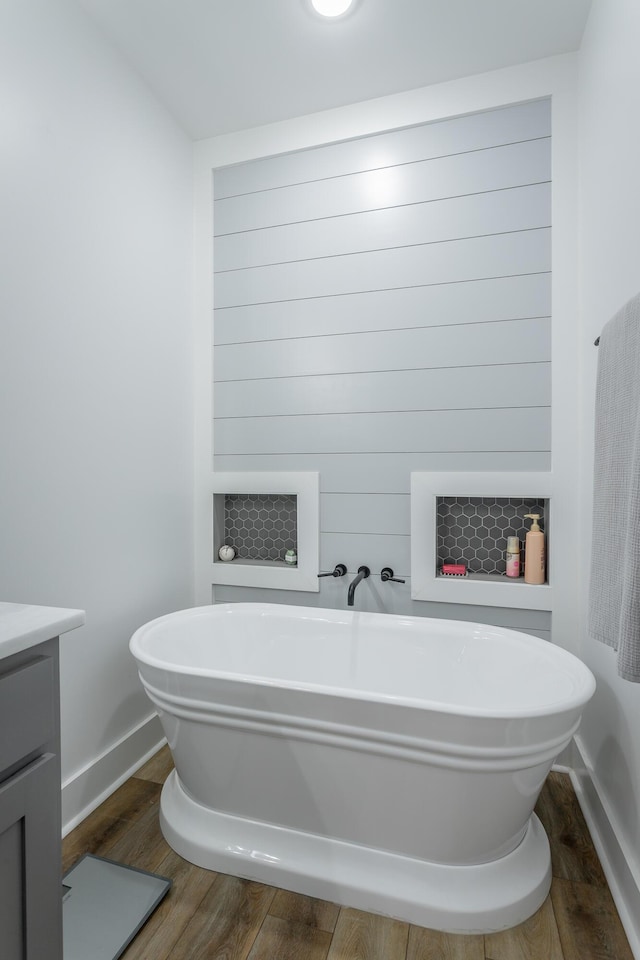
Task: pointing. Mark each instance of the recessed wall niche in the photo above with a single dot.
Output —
(466, 518)
(474, 530)
(262, 515)
(261, 526)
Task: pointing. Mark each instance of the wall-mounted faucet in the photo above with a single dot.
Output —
(338, 571)
(387, 574)
(363, 573)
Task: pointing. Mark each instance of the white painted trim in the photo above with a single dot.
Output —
(621, 870)
(203, 377)
(565, 374)
(426, 584)
(552, 76)
(88, 787)
(305, 487)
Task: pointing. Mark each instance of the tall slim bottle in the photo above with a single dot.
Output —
(534, 552)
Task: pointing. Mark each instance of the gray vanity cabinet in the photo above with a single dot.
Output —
(30, 847)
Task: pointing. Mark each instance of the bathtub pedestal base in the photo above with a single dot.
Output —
(483, 898)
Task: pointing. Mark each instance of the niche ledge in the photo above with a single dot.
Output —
(483, 589)
(273, 574)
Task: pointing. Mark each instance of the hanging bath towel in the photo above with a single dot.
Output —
(614, 594)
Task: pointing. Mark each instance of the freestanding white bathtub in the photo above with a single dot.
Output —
(384, 762)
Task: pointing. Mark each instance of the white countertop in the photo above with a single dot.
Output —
(23, 625)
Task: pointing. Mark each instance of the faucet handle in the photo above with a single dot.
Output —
(387, 574)
(338, 571)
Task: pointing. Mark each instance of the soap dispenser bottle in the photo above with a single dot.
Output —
(534, 553)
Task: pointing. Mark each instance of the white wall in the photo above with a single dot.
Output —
(610, 275)
(95, 367)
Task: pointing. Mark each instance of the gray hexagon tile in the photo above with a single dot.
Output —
(261, 527)
(474, 530)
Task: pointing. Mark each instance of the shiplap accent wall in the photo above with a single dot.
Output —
(382, 305)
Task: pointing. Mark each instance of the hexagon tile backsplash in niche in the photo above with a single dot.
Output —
(261, 527)
(474, 530)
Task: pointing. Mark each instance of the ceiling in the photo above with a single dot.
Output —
(226, 65)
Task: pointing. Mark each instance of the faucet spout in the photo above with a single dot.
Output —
(363, 573)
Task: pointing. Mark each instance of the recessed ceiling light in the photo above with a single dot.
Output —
(331, 8)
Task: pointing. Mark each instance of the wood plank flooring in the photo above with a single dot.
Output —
(212, 916)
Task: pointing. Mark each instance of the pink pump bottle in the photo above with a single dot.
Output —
(534, 552)
(513, 557)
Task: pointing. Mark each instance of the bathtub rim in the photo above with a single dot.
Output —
(584, 680)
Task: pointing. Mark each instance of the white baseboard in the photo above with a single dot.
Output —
(89, 787)
(567, 759)
(622, 873)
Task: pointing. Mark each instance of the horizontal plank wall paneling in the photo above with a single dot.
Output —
(443, 388)
(383, 472)
(477, 131)
(514, 428)
(454, 261)
(514, 165)
(438, 305)
(365, 513)
(463, 345)
(382, 306)
(520, 208)
(373, 549)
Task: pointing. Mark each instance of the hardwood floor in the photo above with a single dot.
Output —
(212, 916)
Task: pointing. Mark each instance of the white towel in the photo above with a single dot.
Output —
(614, 594)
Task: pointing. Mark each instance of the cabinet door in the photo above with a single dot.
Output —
(30, 881)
